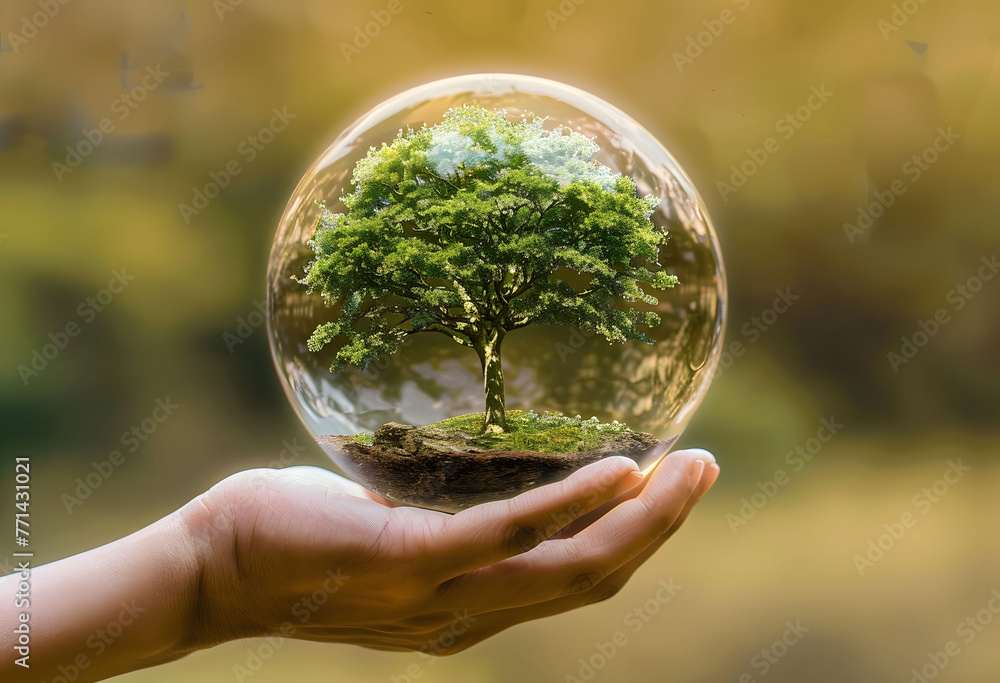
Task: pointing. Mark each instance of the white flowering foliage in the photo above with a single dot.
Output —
(468, 228)
(462, 142)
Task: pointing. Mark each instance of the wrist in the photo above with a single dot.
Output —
(224, 606)
(180, 578)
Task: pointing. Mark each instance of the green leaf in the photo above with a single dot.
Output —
(479, 225)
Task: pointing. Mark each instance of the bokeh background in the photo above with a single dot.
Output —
(897, 74)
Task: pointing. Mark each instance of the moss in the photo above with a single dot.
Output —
(364, 438)
(540, 432)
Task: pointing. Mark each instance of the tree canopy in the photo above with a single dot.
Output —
(478, 226)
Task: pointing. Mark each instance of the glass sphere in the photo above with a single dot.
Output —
(569, 395)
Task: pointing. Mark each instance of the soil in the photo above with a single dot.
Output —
(444, 470)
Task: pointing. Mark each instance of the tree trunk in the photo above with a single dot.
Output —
(489, 356)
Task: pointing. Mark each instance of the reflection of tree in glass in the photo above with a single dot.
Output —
(479, 226)
(387, 375)
(574, 370)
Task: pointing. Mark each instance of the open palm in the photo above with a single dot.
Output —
(309, 554)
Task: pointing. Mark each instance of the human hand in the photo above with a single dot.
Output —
(305, 553)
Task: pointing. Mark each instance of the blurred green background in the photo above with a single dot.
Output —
(229, 63)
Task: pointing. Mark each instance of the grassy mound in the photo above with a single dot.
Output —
(364, 438)
(531, 431)
(452, 465)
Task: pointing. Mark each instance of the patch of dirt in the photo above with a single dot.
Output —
(444, 470)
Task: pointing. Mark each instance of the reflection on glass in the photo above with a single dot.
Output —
(652, 389)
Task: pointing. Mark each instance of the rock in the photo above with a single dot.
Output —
(422, 440)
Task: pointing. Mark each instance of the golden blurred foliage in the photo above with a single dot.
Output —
(876, 204)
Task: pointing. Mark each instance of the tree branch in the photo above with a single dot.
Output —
(435, 175)
(460, 337)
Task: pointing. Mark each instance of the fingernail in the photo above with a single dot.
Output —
(702, 454)
(697, 469)
(712, 474)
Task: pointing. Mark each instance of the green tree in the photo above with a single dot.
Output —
(479, 226)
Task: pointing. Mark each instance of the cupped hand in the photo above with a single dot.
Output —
(305, 553)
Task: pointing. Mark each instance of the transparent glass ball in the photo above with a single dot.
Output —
(554, 374)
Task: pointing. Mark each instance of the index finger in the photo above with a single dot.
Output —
(488, 533)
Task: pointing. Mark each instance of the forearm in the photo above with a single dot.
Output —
(124, 606)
